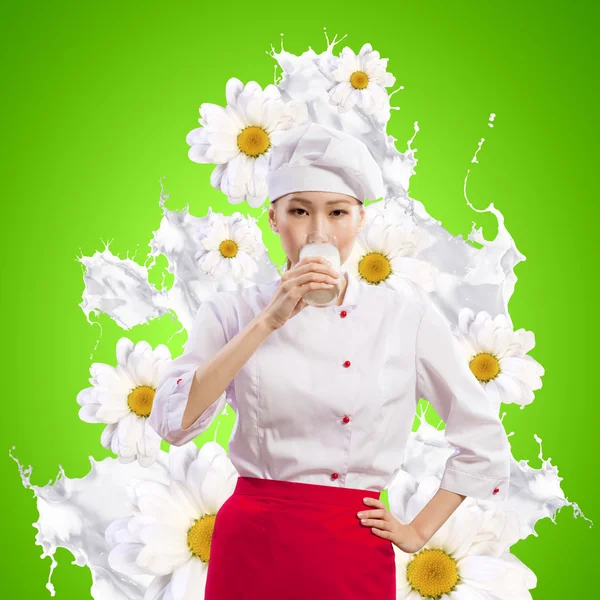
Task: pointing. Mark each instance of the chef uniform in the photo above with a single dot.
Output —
(324, 409)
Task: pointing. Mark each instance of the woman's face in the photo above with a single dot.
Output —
(297, 214)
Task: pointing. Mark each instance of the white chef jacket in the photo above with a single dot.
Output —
(330, 397)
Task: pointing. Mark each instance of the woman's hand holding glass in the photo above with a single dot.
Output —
(309, 273)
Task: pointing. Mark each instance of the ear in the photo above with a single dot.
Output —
(363, 219)
(272, 222)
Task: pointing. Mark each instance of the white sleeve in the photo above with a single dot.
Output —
(481, 468)
(206, 338)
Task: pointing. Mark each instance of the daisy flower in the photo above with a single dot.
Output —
(385, 253)
(237, 138)
(169, 535)
(497, 357)
(122, 397)
(229, 246)
(467, 558)
(362, 80)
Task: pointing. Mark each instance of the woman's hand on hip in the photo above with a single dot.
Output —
(386, 526)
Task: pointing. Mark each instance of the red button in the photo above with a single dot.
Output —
(496, 490)
(179, 380)
(346, 419)
(343, 314)
(347, 364)
(334, 476)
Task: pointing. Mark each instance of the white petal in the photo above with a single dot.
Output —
(261, 166)
(271, 92)
(198, 154)
(140, 361)
(239, 170)
(211, 262)
(464, 591)
(272, 111)
(113, 412)
(180, 460)
(523, 368)
(510, 390)
(185, 501)
(367, 100)
(216, 489)
(353, 99)
(122, 558)
(482, 571)
(108, 378)
(88, 413)
(165, 538)
(148, 445)
(127, 380)
(233, 88)
(223, 147)
(189, 580)
(254, 110)
(463, 528)
(129, 430)
(155, 501)
(217, 175)
(349, 59)
(159, 588)
(340, 93)
(124, 349)
(117, 531)
(493, 392)
(217, 118)
(107, 435)
(197, 136)
(159, 563)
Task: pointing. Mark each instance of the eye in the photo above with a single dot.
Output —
(339, 210)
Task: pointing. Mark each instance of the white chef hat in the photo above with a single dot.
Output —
(315, 158)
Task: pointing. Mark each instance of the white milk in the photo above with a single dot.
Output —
(324, 296)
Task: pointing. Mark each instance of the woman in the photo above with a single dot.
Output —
(324, 399)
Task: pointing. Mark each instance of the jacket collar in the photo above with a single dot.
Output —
(352, 292)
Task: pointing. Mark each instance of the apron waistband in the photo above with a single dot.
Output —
(307, 492)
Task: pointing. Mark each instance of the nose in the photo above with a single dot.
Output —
(319, 236)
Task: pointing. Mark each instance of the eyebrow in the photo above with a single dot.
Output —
(329, 202)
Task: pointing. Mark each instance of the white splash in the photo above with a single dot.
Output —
(534, 494)
(74, 514)
(120, 288)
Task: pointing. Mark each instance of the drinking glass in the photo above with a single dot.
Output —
(325, 245)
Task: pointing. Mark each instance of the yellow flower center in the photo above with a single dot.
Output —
(253, 141)
(359, 80)
(484, 366)
(200, 535)
(432, 573)
(374, 267)
(140, 400)
(228, 248)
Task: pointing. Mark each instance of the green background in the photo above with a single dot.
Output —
(98, 99)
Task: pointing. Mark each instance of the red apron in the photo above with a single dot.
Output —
(297, 541)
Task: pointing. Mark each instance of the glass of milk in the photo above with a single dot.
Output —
(325, 245)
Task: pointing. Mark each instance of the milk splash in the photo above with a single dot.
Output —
(75, 513)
